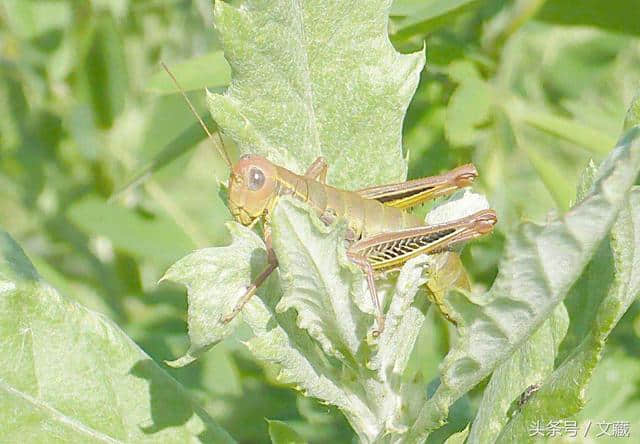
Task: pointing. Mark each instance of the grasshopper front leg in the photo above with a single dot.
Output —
(391, 250)
(317, 171)
(272, 264)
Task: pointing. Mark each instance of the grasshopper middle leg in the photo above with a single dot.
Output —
(391, 250)
(367, 269)
(318, 170)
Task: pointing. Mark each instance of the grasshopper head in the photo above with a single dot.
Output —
(252, 188)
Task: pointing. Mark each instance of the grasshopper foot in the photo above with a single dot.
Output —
(378, 331)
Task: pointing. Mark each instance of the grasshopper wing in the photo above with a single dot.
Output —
(414, 192)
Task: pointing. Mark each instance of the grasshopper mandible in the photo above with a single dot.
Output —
(381, 235)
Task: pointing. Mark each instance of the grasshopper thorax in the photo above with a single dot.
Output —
(252, 188)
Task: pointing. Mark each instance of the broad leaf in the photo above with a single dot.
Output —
(527, 367)
(317, 327)
(615, 15)
(541, 264)
(69, 374)
(324, 301)
(160, 238)
(207, 71)
(570, 381)
(320, 80)
(216, 279)
(469, 105)
(341, 375)
(425, 16)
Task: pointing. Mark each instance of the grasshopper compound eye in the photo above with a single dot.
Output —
(256, 179)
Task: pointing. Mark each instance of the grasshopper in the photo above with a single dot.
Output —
(381, 235)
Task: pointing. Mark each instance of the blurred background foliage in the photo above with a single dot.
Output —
(528, 90)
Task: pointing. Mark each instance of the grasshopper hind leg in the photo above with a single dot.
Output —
(385, 251)
(447, 272)
(367, 269)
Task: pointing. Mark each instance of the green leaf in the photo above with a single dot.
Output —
(528, 366)
(323, 346)
(589, 138)
(541, 264)
(554, 178)
(216, 278)
(604, 398)
(182, 144)
(614, 15)
(564, 392)
(210, 70)
(458, 438)
(423, 17)
(364, 385)
(70, 375)
(281, 433)
(633, 115)
(158, 238)
(321, 80)
(468, 107)
(106, 72)
(324, 301)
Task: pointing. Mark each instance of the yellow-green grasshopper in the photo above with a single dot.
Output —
(381, 234)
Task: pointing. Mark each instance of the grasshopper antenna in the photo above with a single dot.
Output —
(220, 145)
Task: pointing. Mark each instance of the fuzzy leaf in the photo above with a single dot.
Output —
(316, 78)
(331, 307)
(70, 375)
(316, 332)
(216, 278)
(541, 264)
(331, 302)
(596, 302)
(528, 366)
(564, 392)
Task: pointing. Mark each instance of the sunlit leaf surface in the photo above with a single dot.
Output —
(70, 373)
(321, 80)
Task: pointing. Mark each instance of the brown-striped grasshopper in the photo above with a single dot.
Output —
(381, 234)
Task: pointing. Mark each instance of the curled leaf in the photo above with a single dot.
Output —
(541, 263)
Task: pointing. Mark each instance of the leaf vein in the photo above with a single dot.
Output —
(59, 416)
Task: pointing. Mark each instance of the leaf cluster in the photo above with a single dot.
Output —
(533, 92)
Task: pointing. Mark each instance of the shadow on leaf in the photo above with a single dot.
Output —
(168, 406)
